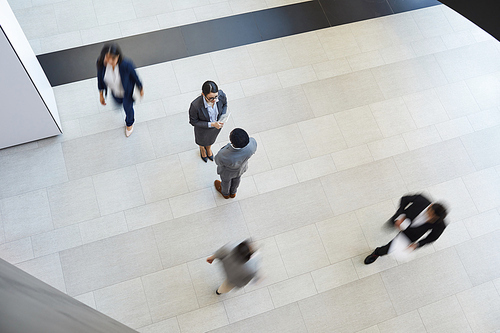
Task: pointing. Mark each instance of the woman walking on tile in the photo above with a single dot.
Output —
(118, 74)
(240, 265)
(204, 114)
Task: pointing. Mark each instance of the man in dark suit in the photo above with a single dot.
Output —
(415, 217)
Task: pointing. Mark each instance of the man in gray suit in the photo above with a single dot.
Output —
(232, 162)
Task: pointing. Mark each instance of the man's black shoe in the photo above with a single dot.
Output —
(370, 259)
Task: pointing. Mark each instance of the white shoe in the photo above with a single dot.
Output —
(127, 132)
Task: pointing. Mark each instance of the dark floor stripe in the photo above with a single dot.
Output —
(484, 13)
(169, 44)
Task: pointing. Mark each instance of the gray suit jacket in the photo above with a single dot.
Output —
(199, 118)
(237, 272)
(231, 162)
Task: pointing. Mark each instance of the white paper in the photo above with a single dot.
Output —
(224, 118)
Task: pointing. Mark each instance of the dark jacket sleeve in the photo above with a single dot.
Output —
(418, 201)
(100, 79)
(194, 118)
(434, 234)
(407, 199)
(223, 99)
(133, 75)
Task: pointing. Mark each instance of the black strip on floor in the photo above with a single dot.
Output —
(146, 49)
(484, 13)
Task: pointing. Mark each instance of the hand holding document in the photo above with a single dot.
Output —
(223, 119)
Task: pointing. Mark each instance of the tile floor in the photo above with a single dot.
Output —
(345, 126)
(54, 25)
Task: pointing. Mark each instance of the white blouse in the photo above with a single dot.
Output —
(113, 80)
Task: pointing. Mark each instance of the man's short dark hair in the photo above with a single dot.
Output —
(439, 211)
(239, 138)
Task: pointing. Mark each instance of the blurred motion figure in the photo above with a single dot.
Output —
(416, 217)
(240, 262)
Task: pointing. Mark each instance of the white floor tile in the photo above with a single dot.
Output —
(232, 64)
(335, 310)
(292, 290)
(444, 315)
(285, 319)
(333, 276)
(282, 210)
(363, 186)
(322, 135)
(87, 299)
(47, 269)
(450, 161)
(26, 215)
(409, 322)
(284, 146)
(483, 223)
(125, 302)
(103, 227)
(118, 190)
(175, 238)
(162, 178)
(302, 250)
(204, 319)
(86, 269)
(17, 251)
(146, 215)
(248, 305)
(455, 196)
(314, 168)
(430, 278)
(73, 202)
(342, 237)
(480, 257)
(56, 240)
(481, 305)
(169, 292)
(192, 202)
(165, 326)
(275, 179)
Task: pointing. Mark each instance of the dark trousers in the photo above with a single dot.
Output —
(230, 185)
(382, 251)
(128, 106)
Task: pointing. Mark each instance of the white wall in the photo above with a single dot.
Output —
(28, 109)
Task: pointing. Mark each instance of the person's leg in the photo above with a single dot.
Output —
(128, 106)
(224, 288)
(235, 182)
(210, 155)
(222, 186)
(117, 99)
(203, 152)
(382, 250)
(225, 186)
(379, 251)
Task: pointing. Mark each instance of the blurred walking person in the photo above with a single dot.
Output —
(118, 74)
(420, 222)
(240, 262)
